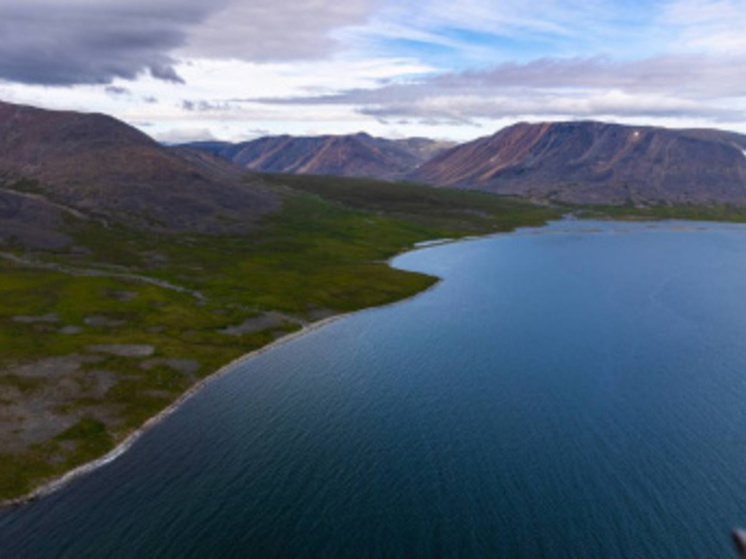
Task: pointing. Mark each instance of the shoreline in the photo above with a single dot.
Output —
(122, 447)
(63, 480)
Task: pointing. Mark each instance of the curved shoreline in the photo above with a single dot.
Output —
(84, 469)
(89, 467)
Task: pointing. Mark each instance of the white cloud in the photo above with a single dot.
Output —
(700, 86)
(715, 26)
(184, 135)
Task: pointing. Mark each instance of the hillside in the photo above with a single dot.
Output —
(590, 162)
(358, 155)
(103, 334)
(55, 163)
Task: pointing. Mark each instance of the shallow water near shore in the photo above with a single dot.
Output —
(573, 391)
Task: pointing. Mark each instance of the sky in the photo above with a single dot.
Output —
(234, 70)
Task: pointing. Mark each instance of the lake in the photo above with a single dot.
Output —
(572, 391)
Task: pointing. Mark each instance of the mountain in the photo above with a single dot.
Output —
(357, 155)
(591, 162)
(57, 163)
(58, 167)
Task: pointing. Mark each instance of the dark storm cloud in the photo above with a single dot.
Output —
(52, 42)
(67, 42)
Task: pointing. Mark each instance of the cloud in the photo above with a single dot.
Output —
(49, 42)
(614, 103)
(665, 86)
(276, 30)
(480, 32)
(289, 65)
(708, 25)
(55, 43)
(205, 106)
(699, 76)
(184, 135)
(116, 90)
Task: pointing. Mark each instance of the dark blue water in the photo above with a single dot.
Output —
(565, 394)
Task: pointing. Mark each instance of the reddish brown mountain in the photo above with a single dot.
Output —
(358, 155)
(590, 162)
(97, 165)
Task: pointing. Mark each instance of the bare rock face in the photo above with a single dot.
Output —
(591, 162)
(104, 168)
(355, 155)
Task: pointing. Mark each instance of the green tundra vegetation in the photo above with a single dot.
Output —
(96, 346)
(715, 212)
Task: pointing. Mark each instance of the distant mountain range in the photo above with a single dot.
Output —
(574, 162)
(355, 155)
(55, 164)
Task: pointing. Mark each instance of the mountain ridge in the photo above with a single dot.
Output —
(576, 162)
(590, 162)
(351, 155)
(54, 163)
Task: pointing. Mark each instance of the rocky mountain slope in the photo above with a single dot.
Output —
(358, 155)
(591, 162)
(55, 163)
